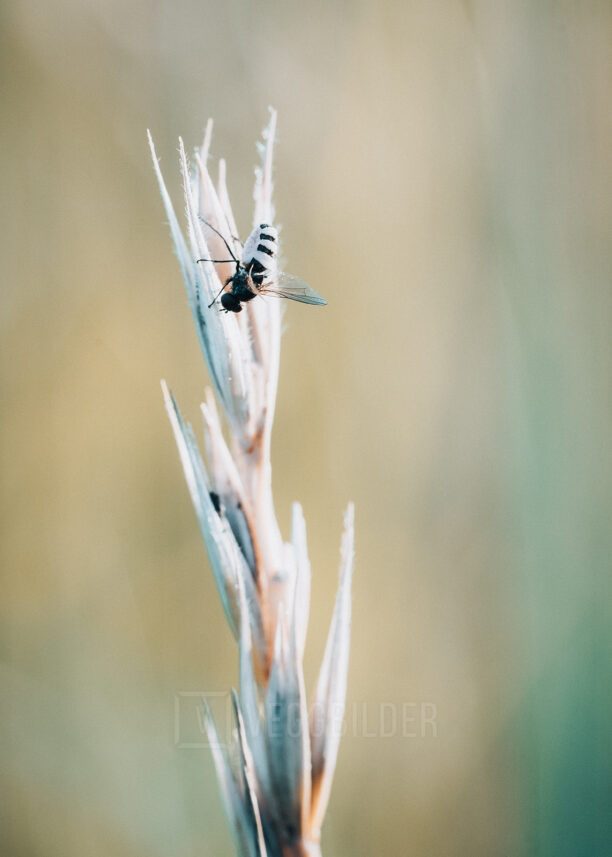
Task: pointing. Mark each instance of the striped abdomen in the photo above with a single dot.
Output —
(259, 255)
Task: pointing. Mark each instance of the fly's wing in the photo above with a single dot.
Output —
(286, 286)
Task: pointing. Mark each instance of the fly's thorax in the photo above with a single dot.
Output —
(242, 287)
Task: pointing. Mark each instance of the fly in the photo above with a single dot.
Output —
(256, 273)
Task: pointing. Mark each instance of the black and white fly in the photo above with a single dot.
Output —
(257, 274)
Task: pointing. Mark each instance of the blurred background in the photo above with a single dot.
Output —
(444, 177)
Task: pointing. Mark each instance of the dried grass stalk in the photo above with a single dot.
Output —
(277, 780)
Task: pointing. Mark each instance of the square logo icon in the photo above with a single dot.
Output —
(190, 708)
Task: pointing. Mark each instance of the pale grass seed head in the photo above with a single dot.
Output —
(276, 781)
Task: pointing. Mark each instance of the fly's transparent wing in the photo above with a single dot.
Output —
(286, 286)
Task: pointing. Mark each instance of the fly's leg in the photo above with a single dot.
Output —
(225, 284)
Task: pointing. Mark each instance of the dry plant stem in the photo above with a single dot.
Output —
(276, 781)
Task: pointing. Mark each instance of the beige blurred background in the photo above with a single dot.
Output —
(443, 176)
